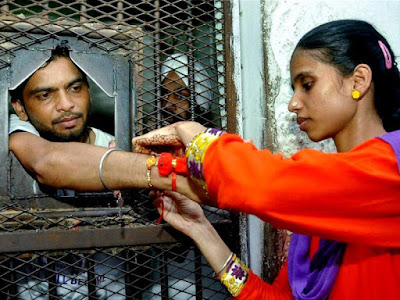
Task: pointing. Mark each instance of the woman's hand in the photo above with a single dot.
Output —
(187, 130)
(180, 212)
(174, 136)
(188, 217)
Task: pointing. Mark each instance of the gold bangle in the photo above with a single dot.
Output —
(151, 161)
(235, 276)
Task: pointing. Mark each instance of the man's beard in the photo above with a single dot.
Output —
(170, 118)
(73, 135)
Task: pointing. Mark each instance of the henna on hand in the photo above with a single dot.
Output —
(159, 143)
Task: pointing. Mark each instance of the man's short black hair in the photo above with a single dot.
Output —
(61, 50)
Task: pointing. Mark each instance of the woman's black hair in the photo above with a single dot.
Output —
(345, 44)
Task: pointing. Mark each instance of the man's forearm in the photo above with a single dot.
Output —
(76, 166)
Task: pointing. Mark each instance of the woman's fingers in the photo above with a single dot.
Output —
(184, 131)
(168, 130)
(188, 130)
(158, 143)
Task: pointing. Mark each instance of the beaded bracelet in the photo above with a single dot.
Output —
(195, 153)
(235, 276)
(151, 161)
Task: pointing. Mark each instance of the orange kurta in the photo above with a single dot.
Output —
(353, 197)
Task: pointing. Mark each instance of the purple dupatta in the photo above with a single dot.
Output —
(313, 279)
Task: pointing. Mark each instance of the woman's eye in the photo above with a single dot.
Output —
(307, 85)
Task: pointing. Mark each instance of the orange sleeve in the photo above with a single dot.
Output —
(350, 197)
(255, 288)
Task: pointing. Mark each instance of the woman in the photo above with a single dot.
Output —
(343, 207)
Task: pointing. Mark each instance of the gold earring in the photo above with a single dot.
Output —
(355, 94)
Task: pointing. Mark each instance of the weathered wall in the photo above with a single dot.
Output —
(285, 21)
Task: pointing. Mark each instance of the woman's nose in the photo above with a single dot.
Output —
(294, 104)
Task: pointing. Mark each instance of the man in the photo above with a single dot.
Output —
(50, 137)
(53, 105)
(176, 91)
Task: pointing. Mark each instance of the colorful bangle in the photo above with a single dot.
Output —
(235, 276)
(195, 153)
(151, 161)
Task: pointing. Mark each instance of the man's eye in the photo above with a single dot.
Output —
(75, 88)
(182, 96)
(44, 96)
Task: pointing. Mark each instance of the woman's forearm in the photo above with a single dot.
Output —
(213, 248)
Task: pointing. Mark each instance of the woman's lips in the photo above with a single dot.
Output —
(303, 123)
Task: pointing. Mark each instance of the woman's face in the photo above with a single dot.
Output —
(321, 97)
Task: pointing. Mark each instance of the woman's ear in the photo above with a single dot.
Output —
(19, 110)
(362, 78)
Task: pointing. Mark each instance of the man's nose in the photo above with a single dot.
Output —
(171, 102)
(65, 102)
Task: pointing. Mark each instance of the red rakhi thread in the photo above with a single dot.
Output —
(158, 222)
(173, 181)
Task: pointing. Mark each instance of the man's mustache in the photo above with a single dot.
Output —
(66, 115)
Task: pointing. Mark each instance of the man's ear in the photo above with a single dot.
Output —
(90, 98)
(19, 110)
(362, 78)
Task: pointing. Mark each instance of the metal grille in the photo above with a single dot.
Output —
(149, 272)
(81, 245)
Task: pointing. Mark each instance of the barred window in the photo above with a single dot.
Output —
(149, 63)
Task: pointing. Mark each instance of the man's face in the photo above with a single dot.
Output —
(175, 101)
(56, 101)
